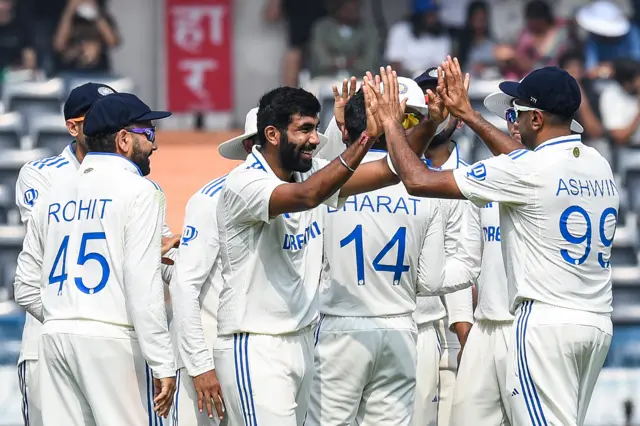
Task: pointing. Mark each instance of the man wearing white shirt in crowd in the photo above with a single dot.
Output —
(552, 198)
(90, 270)
(376, 260)
(620, 103)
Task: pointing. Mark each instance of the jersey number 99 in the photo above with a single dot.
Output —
(83, 257)
(586, 237)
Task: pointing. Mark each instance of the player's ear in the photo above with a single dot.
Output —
(345, 134)
(537, 120)
(73, 128)
(122, 142)
(272, 134)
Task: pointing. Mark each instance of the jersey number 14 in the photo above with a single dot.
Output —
(60, 262)
(399, 239)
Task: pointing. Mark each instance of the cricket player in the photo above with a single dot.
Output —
(558, 210)
(34, 181)
(443, 323)
(381, 249)
(195, 289)
(90, 270)
(271, 247)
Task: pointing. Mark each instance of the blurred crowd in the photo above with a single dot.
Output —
(47, 38)
(598, 42)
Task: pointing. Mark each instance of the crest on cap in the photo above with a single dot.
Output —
(402, 88)
(104, 91)
(433, 73)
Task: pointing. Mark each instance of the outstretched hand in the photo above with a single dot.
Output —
(454, 88)
(389, 108)
(340, 99)
(437, 110)
(374, 128)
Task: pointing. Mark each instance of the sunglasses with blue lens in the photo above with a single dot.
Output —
(510, 115)
(149, 132)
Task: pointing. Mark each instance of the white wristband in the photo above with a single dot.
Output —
(390, 164)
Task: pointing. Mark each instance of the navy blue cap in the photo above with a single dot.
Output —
(428, 79)
(117, 111)
(550, 89)
(82, 97)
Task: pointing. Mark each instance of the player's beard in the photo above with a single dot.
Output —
(290, 155)
(141, 159)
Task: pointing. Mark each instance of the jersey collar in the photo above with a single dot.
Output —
(255, 160)
(453, 162)
(560, 140)
(69, 153)
(111, 160)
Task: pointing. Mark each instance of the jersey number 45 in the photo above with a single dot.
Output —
(83, 257)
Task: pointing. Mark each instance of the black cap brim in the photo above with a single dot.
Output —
(154, 115)
(510, 88)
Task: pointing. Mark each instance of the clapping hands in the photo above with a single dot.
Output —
(383, 106)
(453, 88)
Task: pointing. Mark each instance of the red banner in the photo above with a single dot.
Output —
(198, 40)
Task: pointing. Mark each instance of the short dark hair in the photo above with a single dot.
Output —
(278, 106)
(103, 142)
(626, 70)
(539, 9)
(571, 55)
(355, 116)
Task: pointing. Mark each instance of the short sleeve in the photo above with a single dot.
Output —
(500, 179)
(247, 194)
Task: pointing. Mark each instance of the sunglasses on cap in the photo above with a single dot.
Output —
(411, 119)
(149, 132)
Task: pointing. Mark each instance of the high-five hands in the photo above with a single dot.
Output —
(454, 88)
(437, 110)
(385, 105)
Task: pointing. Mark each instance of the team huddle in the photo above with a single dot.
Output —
(326, 280)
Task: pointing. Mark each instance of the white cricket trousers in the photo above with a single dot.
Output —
(365, 371)
(30, 389)
(93, 380)
(185, 411)
(480, 397)
(265, 379)
(425, 409)
(555, 357)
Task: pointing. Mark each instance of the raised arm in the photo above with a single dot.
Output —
(452, 89)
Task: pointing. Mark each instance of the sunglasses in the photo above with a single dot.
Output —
(149, 132)
(510, 115)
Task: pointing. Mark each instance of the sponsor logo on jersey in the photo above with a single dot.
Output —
(30, 196)
(478, 172)
(189, 234)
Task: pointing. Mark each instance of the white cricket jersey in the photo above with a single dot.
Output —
(558, 210)
(381, 248)
(270, 265)
(197, 282)
(92, 252)
(478, 259)
(34, 181)
(457, 306)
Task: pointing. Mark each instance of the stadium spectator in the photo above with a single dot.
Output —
(619, 103)
(16, 45)
(419, 42)
(85, 35)
(476, 46)
(543, 40)
(300, 17)
(343, 42)
(610, 36)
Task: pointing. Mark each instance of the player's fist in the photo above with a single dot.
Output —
(208, 389)
(163, 398)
